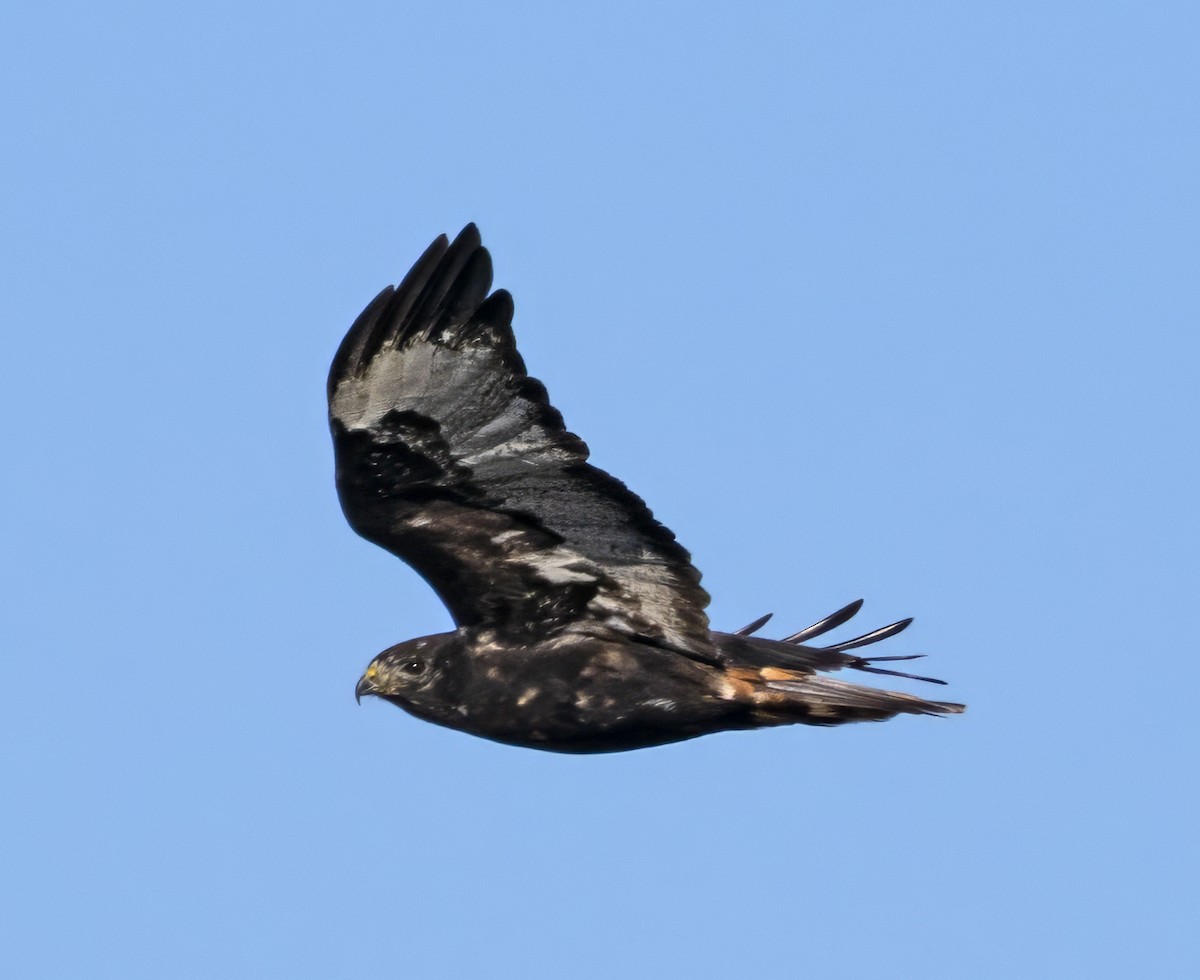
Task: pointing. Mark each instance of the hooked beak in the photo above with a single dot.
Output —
(364, 686)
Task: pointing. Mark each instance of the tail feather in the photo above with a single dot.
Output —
(781, 683)
(811, 699)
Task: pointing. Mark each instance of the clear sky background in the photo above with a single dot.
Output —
(892, 300)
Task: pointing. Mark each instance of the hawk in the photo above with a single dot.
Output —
(580, 620)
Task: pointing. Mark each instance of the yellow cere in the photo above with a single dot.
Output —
(372, 670)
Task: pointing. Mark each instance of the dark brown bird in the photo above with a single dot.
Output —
(580, 619)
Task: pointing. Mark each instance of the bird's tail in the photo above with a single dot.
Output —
(779, 696)
(779, 679)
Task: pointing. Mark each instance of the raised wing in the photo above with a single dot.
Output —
(451, 457)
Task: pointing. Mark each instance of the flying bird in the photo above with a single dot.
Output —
(580, 620)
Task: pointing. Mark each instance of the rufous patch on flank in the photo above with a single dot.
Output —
(737, 684)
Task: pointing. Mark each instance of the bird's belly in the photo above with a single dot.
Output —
(584, 713)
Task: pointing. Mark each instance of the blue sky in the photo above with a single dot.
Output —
(884, 300)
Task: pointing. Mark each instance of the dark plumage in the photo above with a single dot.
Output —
(580, 619)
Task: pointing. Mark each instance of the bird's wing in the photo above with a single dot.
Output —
(451, 457)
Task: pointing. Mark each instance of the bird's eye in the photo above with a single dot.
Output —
(414, 667)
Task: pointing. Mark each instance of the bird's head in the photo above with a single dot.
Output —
(406, 674)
